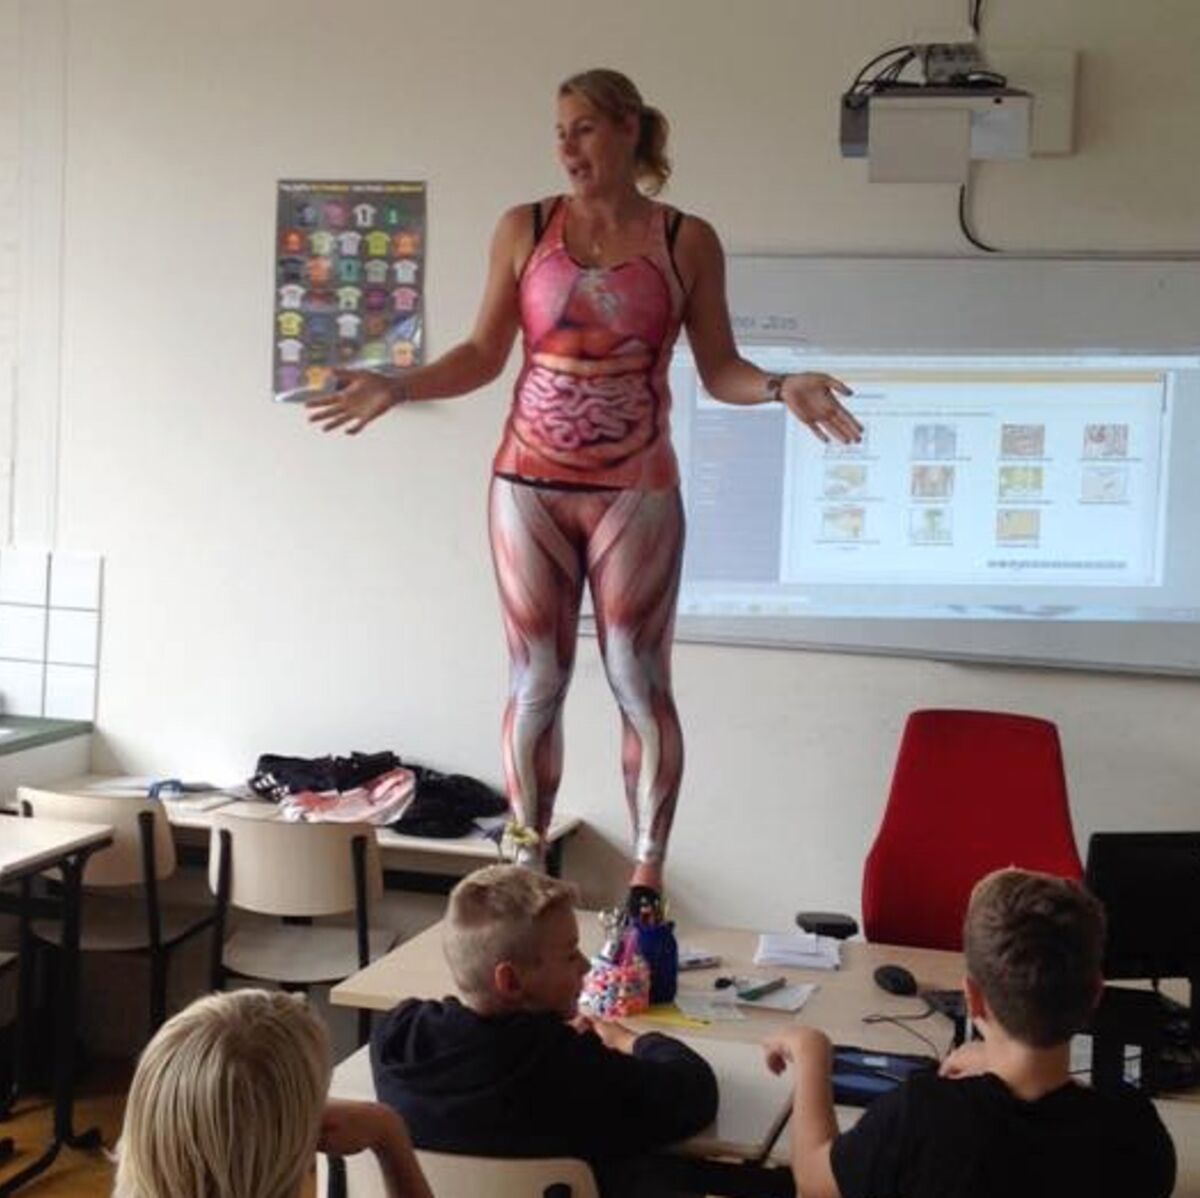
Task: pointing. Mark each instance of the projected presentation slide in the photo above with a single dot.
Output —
(980, 483)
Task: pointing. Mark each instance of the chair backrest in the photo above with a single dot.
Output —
(453, 1176)
(284, 868)
(121, 863)
(972, 791)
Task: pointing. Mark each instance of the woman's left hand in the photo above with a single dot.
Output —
(814, 400)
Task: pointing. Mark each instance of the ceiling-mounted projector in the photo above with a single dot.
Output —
(930, 134)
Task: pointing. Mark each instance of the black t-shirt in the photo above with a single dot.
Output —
(937, 1138)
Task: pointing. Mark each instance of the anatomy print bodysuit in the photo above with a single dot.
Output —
(586, 488)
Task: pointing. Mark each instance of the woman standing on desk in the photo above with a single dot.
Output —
(585, 482)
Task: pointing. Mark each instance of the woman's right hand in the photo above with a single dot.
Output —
(361, 396)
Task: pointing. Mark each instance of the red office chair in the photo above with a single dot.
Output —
(972, 791)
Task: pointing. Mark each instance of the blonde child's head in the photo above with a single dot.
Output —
(512, 942)
(226, 1101)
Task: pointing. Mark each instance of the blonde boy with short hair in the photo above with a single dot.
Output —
(1004, 1117)
(229, 1101)
(509, 1068)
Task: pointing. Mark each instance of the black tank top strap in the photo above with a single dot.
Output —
(540, 222)
(672, 219)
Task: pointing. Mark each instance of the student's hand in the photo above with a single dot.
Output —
(968, 1060)
(796, 1043)
(813, 400)
(615, 1035)
(582, 1023)
(348, 1128)
(362, 396)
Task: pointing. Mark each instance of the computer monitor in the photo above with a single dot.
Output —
(1149, 883)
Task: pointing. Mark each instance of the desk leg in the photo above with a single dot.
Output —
(25, 971)
(64, 1049)
(68, 1009)
(24, 1002)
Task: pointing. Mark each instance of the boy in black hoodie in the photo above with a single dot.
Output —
(511, 1069)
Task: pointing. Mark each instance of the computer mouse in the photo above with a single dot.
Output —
(895, 979)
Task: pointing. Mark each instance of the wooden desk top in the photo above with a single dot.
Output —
(843, 996)
(28, 846)
(752, 1099)
(195, 812)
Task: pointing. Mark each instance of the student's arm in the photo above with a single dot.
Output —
(814, 1127)
(348, 1128)
(624, 1093)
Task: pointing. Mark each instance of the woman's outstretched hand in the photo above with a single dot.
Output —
(361, 396)
(814, 400)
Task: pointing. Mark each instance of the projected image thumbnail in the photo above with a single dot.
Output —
(1022, 440)
(846, 522)
(1018, 526)
(934, 441)
(1021, 482)
(845, 481)
(932, 482)
(835, 449)
(1104, 484)
(930, 526)
(1106, 441)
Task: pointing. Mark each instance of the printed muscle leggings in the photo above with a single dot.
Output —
(628, 545)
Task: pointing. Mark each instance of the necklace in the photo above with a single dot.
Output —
(597, 246)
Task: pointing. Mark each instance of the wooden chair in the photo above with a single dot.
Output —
(122, 911)
(297, 872)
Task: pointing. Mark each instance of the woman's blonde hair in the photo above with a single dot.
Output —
(226, 1101)
(617, 97)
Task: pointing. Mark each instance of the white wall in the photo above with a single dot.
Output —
(268, 588)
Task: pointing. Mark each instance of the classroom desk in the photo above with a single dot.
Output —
(742, 1153)
(749, 1097)
(27, 848)
(751, 1104)
(408, 855)
(418, 856)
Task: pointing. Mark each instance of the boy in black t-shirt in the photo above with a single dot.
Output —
(1004, 1117)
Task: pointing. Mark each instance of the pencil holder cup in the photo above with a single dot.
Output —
(656, 943)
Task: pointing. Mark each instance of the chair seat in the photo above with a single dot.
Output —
(308, 954)
(115, 925)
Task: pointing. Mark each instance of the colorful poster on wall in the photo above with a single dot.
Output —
(349, 282)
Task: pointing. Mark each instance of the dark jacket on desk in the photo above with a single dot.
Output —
(530, 1085)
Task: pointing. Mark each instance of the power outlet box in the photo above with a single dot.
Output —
(950, 62)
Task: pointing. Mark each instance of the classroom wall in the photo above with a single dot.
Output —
(272, 589)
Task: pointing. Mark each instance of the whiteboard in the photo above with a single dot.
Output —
(946, 304)
(1008, 306)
